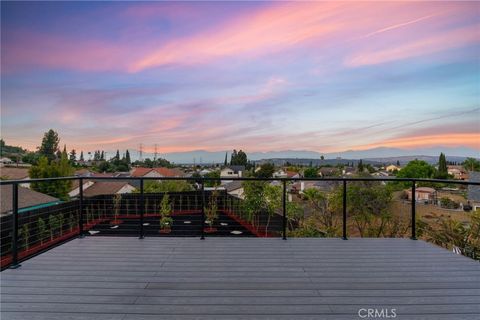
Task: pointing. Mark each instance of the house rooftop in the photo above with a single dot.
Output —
(104, 187)
(13, 173)
(26, 198)
(162, 171)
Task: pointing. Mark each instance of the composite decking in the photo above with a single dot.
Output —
(241, 278)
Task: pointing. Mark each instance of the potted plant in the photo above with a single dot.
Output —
(24, 234)
(165, 211)
(71, 222)
(53, 223)
(166, 224)
(211, 212)
(42, 230)
(117, 201)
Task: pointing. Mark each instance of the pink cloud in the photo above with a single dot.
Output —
(27, 49)
(418, 47)
(312, 26)
(268, 30)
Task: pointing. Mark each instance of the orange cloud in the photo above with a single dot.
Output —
(451, 139)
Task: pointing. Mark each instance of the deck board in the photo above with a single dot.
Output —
(241, 278)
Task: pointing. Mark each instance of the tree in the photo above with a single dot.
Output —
(44, 169)
(24, 234)
(81, 156)
(322, 158)
(328, 223)
(49, 145)
(310, 173)
(368, 205)
(238, 158)
(266, 170)
(31, 157)
(417, 169)
(102, 156)
(211, 210)
(212, 183)
(442, 172)
(127, 157)
(42, 230)
(73, 156)
(165, 211)
(398, 163)
(471, 164)
(117, 206)
(360, 166)
(53, 224)
(225, 162)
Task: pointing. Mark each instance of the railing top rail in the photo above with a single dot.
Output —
(199, 179)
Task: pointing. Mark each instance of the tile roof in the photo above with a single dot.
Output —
(26, 198)
(140, 171)
(104, 187)
(163, 171)
(234, 185)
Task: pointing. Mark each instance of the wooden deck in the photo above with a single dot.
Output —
(241, 278)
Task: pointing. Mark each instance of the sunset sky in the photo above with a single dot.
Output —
(261, 76)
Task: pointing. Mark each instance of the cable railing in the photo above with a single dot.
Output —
(206, 209)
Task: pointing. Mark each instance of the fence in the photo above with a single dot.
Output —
(200, 212)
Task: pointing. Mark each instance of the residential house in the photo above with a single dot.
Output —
(348, 171)
(293, 174)
(458, 172)
(423, 194)
(204, 172)
(328, 172)
(235, 188)
(5, 161)
(280, 174)
(232, 172)
(108, 187)
(301, 186)
(27, 199)
(159, 172)
(381, 174)
(392, 168)
(75, 189)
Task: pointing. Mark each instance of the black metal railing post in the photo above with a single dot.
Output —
(15, 263)
(414, 231)
(344, 209)
(284, 210)
(80, 209)
(203, 211)
(142, 210)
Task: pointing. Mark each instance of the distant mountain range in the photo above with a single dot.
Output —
(380, 155)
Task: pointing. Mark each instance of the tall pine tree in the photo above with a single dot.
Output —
(49, 147)
(127, 157)
(442, 167)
